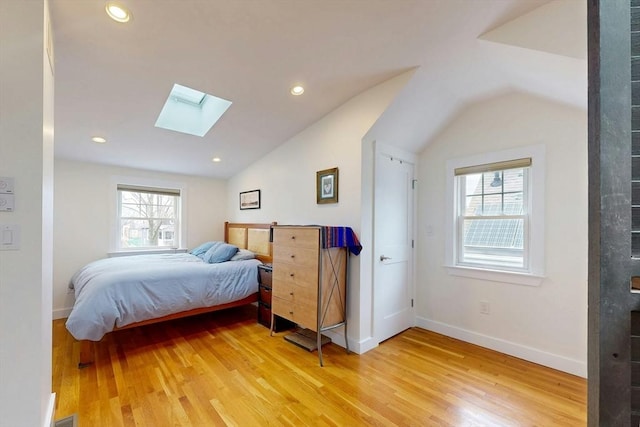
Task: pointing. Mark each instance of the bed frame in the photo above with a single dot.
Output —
(255, 237)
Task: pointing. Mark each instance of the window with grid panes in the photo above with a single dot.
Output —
(148, 217)
(492, 220)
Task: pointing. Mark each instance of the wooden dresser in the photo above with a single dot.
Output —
(309, 282)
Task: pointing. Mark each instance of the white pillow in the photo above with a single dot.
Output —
(243, 254)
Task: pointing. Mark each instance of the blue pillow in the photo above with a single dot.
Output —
(220, 253)
(203, 248)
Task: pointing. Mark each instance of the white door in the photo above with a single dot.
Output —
(393, 241)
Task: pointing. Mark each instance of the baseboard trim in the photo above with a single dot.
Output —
(356, 347)
(561, 363)
(367, 344)
(49, 420)
(61, 313)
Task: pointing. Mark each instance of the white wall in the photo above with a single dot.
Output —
(26, 154)
(546, 324)
(287, 180)
(85, 203)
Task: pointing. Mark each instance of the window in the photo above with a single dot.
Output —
(496, 205)
(148, 217)
(492, 217)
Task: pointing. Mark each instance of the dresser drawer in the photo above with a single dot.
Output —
(282, 307)
(296, 274)
(296, 236)
(300, 314)
(265, 295)
(264, 315)
(306, 257)
(264, 276)
(303, 296)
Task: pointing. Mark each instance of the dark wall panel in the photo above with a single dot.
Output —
(611, 44)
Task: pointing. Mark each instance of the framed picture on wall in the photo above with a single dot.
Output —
(250, 200)
(327, 186)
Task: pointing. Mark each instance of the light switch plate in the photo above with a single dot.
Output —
(7, 202)
(6, 185)
(9, 237)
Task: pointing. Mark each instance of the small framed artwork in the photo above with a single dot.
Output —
(250, 199)
(327, 186)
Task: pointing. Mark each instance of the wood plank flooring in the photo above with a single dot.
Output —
(224, 369)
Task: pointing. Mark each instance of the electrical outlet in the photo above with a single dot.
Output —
(485, 307)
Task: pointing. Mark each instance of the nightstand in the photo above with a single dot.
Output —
(265, 273)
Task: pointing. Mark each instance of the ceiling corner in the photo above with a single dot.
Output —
(557, 27)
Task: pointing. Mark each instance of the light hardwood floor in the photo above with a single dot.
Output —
(224, 369)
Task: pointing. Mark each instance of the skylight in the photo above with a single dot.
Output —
(191, 111)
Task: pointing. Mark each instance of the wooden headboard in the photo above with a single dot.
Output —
(254, 237)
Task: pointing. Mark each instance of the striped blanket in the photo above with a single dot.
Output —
(339, 237)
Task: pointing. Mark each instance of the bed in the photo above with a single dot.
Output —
(126, 292)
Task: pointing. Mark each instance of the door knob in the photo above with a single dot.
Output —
(383, 258)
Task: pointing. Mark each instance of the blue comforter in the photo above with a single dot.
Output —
(115, 292)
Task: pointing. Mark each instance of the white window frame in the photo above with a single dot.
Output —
(180, 232)
(533, 272)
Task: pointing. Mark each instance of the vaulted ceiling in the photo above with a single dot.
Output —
(112, 79)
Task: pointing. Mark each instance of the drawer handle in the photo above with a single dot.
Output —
(293, 237)
(293, 256)
(291, 293)
(291, 312)
(291, 274)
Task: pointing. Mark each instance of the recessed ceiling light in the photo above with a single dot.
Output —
(216, 159)
(99, 139)
(297, 90)
(117, 12)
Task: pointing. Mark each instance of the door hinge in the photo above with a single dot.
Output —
(411, 302)
(413, 184)
(412, 244)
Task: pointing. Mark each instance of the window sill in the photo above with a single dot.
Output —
(146, 252)
(496, 275)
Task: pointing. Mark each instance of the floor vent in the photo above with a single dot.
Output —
(70, 421)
